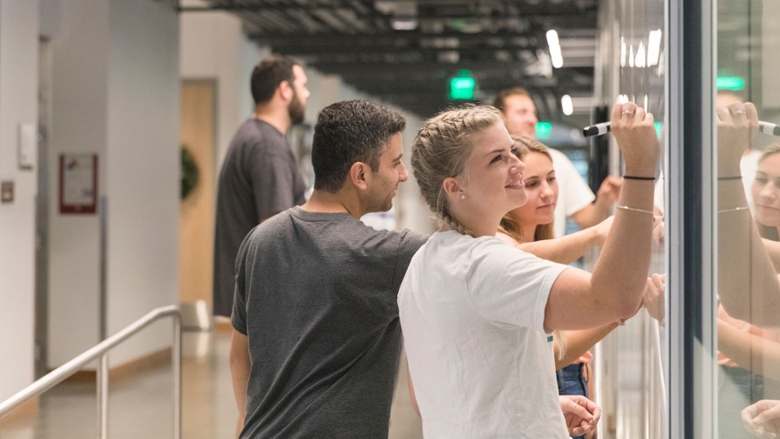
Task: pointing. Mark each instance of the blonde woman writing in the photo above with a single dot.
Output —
(476, 313)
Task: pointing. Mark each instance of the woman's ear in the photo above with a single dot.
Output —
(358, 175)
(451, 186)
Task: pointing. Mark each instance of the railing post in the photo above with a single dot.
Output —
(176, 364)
(102, 397)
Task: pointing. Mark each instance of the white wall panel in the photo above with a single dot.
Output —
(18, 104)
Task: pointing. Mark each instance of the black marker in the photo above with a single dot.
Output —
(603, 128)
(596, 130)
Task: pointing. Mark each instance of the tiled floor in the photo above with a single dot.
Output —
(141, 406)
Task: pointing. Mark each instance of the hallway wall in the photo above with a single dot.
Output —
(142, 169)
(116, 94)
(18, 104)
(79, 125)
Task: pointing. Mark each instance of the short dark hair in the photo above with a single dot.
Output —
(267, 76)
(349, 132)
(500, 100)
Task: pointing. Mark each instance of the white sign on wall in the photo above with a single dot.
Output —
(78, 183)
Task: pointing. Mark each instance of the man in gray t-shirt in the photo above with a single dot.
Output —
(317, 338)
(259, 177)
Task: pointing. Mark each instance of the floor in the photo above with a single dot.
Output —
(141, 406)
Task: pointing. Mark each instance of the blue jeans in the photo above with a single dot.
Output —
(571, 381)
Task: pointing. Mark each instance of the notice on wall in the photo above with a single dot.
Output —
(78, 183)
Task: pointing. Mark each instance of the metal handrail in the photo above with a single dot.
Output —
(100, 351)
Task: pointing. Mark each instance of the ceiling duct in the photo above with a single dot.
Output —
(405, 51)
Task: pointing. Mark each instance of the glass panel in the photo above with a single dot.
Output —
(748, 317)
(629, 363)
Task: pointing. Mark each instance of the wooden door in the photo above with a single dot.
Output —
(196, 244)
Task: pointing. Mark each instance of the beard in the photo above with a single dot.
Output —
(296, 109)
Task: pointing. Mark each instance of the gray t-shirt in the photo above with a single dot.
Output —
(316, 296)
(259, 178)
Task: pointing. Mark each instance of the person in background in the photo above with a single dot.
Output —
(477, 314)
(259, 176)
(316, 339)
(575, 200)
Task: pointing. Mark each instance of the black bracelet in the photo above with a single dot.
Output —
(734, 177)
(633, 177)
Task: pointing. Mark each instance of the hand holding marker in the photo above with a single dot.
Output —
(604, 128)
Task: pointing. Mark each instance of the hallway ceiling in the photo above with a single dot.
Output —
(406, 51)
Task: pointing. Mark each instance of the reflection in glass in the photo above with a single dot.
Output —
(747, 218)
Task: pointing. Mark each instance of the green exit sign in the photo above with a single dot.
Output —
(734, 83)
(543, 130)
(462, 86)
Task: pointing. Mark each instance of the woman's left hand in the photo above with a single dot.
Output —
(654, 296)
(580, 413)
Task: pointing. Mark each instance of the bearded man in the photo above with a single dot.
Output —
(259, 176)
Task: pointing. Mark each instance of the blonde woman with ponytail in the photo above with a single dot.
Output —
(477, 314)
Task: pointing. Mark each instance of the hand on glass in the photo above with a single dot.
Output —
(654, 296)
(580, 413)
(762, 419)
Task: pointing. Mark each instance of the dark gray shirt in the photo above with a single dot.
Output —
(259, 178)
(316, 296)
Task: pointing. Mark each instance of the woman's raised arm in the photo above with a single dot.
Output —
(579, 300)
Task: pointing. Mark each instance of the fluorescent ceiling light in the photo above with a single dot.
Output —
(640, 56)
(555, 48)
(654, 47)
(566, 105)
(622, 52)
(404, 24)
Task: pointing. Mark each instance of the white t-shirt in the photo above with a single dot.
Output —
(573, 192)
(472, 315)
